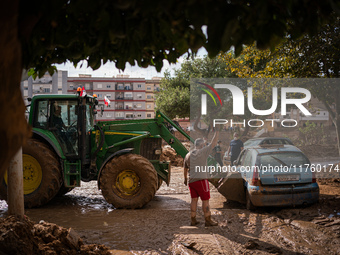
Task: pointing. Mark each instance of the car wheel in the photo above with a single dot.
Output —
(249, 204)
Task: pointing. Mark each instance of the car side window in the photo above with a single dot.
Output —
(242, 156)
(247, 159)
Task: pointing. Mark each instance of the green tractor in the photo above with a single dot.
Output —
(68, 147)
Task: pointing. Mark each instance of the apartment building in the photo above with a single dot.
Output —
(152, 87)
(127, 95)
(47, 84)
(130, 98)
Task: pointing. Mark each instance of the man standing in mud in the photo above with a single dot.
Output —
(198, 183)
(235, 147)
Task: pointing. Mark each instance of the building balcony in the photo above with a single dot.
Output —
(129, 88)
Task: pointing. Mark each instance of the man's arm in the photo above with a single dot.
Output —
(215, 139)
(186, 169)
(228, 150)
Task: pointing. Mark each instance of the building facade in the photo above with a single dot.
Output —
(152, 87)
(126, 95)
(130, 98)
(47, 84)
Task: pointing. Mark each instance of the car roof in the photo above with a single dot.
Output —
(275, 148)
(262, 138)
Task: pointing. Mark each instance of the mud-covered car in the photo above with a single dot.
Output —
(267, 140)
(277, 175)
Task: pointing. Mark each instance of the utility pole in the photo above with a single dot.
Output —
(15, 186)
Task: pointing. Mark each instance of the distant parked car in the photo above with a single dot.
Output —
(267, 140)
(277, 175)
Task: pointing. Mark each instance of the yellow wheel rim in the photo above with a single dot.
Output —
(127, 183)
(32, 174)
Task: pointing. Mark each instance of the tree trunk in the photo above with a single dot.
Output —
(15, 188)
(13, 129)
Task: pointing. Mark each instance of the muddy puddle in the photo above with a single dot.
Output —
(162, 227)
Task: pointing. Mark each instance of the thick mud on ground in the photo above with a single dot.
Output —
(162, 227)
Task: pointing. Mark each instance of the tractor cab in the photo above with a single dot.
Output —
(66, 121)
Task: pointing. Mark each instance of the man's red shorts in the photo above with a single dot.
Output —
(200, 189)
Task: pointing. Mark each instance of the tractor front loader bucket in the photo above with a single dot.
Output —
(232, 188)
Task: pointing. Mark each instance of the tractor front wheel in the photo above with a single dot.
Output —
(129, 181)
(41, 172)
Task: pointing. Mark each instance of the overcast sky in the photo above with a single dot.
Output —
(109, 69)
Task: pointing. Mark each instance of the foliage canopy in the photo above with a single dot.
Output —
(148, 32)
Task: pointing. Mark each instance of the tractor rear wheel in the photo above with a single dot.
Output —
(129, 181)
(42, 174)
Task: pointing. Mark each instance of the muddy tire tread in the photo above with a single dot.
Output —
(51, 175)
(249, 204)
(146, 172)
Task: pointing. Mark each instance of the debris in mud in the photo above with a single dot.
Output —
(330, 176)
(182, 245)
(189, 245)
(251, 245)
(25, 237)
(169, 154)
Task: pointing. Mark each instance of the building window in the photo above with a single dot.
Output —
(108, 86)
(139, 115)
(148, 106)
(139, 96)
(148, 115)
(128, 106)
(108, 95)
(128, 95)
(149, 96)
(99, 86)
(120, 87)
(148, 88)
(71, 87)
(139, 105)
(47, 90)
(119, 114)
(139, 86)
(99, 95)
(87, 86)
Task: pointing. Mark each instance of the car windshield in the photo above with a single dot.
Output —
(283, 159)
